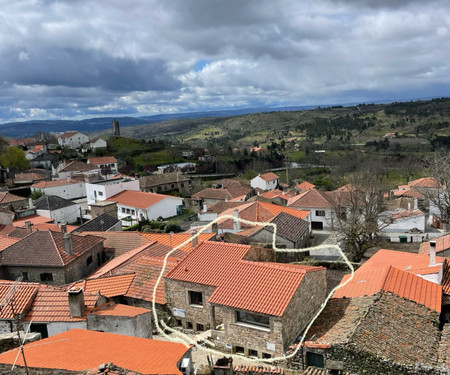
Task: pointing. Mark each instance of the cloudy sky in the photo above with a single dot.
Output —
(83, 58)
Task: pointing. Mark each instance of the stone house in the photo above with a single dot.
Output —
(159, 183)
(77, 169)
(12, 201)
(52, 257)
(253, 308)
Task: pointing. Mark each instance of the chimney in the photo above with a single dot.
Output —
(236, 223)
(432, 253)
(215, 228)
(63, 228)
(205, 207)
(28, 226)
(76, 302)
(68, 245)
(30, 203)
(194, 239)
(416, 204)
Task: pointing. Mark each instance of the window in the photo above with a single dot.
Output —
(200, 327)
(239, 350)
(253, 353)
(189, 325)
(195, 298)
(266, 355)
(123, 210)
(100, 193)
(254, 319)
(132, 212)
(89, 260)
(46, 276)
(24, 275)
(320, 213)
(179, 323)
(128, 210)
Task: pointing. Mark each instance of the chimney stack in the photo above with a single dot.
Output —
(63, 228)
(194, 239)
(30, 203)
(205, 207)
(28, 226)
(68, 245)
(432, 253)
(236, 223)
(76, 302)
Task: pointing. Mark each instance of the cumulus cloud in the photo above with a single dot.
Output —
(139, 57)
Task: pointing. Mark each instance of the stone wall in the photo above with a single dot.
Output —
(304, 305)
(10, 341)
(5, 369)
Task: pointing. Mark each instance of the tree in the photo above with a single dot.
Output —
(438, 167)
(13, 157)
(358, 213)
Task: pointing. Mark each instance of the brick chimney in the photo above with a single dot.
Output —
(68, 245)
(76, 302)
(28, 226)
(194, 239)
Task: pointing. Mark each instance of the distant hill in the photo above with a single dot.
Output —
(28, 128)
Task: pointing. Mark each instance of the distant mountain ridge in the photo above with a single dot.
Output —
(97, 124)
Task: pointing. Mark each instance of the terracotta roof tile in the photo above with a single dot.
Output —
(80, 349)
(305, 185)
(78, 166)
(116, 309)
(138, 199)
(268, 286)
(46, 248)
(269, 176)
(309, 199)
(34, 219)
(7, 241)
(19, 295)
(159, 179)
(108, 286)
(102, 160)
(6, 197)
(120, 242)
(177, 239)
(68, 134)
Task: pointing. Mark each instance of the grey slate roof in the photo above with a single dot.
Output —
(51, 202)
(160, 179)
(100, 224)
(289, 227)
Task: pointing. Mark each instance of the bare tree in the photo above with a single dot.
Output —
(359, 213)
(438, 195)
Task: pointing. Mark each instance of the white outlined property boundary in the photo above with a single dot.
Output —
(187, 340)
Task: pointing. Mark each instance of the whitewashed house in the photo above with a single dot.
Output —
(266, 181)
(59, 209)
(404, 221)
(107, 164)
(97, 143)
(134, 206)
(72, 139)
(102, 190)
(67, 189)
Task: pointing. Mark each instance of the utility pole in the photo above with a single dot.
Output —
(287, 170)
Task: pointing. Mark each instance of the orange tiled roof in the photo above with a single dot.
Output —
(309, 199)
(425, 182)
(446, 277)
(370, 281)
(102, 160)
(53, 227)
(6, 197)
(20, 295)
(411, 193)
(268, 289)
(6, 241)
(177, 239)
(34, 219)
(269, 176)
(138, 199)
(79, 349)
(305, 185)
(275, 193)
(117, 309)
(51, 184)
(51, 304)
(441, 244)
(108, 286)
(68, 134)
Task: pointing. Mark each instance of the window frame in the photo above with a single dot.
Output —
(193, 299)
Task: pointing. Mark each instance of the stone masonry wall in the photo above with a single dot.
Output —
(5, 369)
(304, 305)
(10, 341)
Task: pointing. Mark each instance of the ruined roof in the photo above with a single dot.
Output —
(160, 179)
(12, 231)
(222, 206)
(46, 249)
(440, 244)
(138, 199)
(309, 199)
(26, 177)
(383, 325)
(78, 166)
(262, 287)
(79, 349)
(99, 224)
